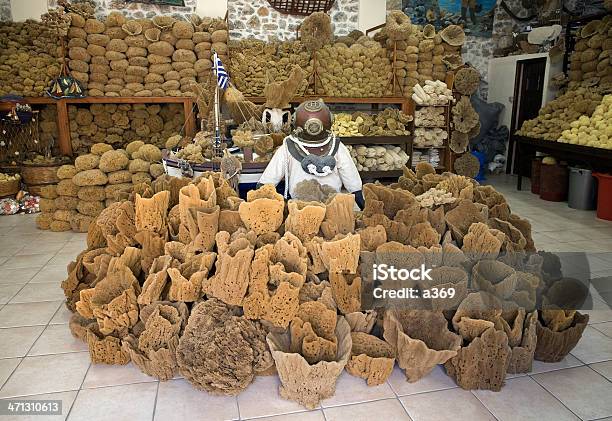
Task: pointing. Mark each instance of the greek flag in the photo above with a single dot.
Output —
(222, 76)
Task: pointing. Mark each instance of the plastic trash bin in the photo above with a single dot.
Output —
(554, 182)
(604, 196)
(582, 192)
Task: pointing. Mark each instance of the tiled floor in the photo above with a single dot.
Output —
(39, 358)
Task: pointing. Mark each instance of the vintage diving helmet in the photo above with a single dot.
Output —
(312, 123)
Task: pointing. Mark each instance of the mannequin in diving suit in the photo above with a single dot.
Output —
(312, 151)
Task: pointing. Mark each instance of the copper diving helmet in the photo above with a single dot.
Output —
(312, 121)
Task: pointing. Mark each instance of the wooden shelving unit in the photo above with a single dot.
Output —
(446, 158)
(63, 123)
(406, 105)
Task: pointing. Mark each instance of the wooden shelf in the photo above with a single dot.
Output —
(371, 175)
(375, 140)
(340, 100)
(111, 100)
(63, 123)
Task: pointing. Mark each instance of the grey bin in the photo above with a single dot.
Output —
(582, 189)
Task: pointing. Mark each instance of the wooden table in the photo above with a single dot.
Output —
(63, 123)
(592, 158)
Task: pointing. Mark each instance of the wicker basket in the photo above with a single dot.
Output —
(9, 188)
(7, 168)
(34, 175)
(301, 7)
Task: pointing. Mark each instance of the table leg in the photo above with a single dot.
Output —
(518, 166)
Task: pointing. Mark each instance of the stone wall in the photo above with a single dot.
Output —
(256, 18)
(140, 10)
(5, 10)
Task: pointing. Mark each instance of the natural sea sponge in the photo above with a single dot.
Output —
(421, 340)
(221, 352)
(305, 383)
(90, 208)
(460, 218)
(339, 215)
(482, 241)
(153, 348)
(90, 178)
(66, 172)
(465, 118)
(148, 152)
(263, 210)
(304, 219)
(104, 349)
(113, 161)
(467, 81)
(50, 191)
(316, 31)
(554, 346)
(459, 142)
(453, 35)
(342, 254)
(398, 26)
(371, 359)
(112, 302)
(86, 162)
(100, 148)
(231, 279)
(522, 355)
(67, 188)
(483, 363)
(371, 237)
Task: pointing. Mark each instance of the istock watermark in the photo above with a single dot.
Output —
(384, 272)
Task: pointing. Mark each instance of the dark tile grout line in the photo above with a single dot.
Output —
(155, 402)
(553, 395)
(484, 405)
(37, 272)
(78, 391)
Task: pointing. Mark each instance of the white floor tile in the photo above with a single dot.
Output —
(47, 374)
(61, 259)
(102, 375)
(16, 276)
(26, 261)
(179, 400)
(443, 405)
(605, 369)
(436, 380)
(523, 399)
(351, 389)
(594, 347)
(57, 339)
(28, 314)
(132, 402)
(316, 415)
(32, 293)
(7, 365)
(389, 409)
(16, 341)
(62, 316)
(542, 367)
(265, 389)
(8, 291)
(605, 328)
(51, 273)
(585, 392)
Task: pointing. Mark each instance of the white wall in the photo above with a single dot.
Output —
(212, 8)
(371, 13)
(28, 9)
